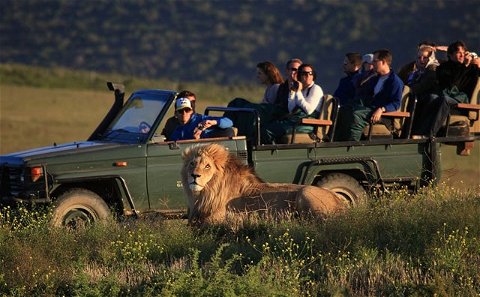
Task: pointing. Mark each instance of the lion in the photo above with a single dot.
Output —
(216, 183)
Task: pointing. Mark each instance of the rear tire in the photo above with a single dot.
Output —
(345, 186)
(79, 208)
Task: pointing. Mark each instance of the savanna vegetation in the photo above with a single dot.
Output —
(222, 41)
(398, 245)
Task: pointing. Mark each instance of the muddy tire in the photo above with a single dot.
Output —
(79, 208)
(345, 186)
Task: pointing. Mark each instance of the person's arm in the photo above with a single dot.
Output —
(395, 96)
(310, 102)
(221, 122)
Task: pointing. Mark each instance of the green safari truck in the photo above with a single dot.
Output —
(122, 170)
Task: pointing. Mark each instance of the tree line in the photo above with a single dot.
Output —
(222, 41)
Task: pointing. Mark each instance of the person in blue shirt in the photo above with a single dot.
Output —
(195, 126)
(383, 93)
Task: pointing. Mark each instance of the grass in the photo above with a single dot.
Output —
(427, 244)
(40, 106)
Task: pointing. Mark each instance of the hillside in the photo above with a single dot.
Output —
(221, 41)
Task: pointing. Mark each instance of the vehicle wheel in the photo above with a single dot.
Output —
(78, 208)
(345, 186)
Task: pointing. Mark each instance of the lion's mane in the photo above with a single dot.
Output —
(233, 186)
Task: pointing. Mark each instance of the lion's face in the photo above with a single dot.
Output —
(200, 170)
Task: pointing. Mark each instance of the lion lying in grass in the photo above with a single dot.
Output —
(216, 183)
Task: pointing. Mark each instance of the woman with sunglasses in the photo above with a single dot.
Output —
(303, 101)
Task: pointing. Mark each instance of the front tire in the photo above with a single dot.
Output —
(79, 208)
(345, 186)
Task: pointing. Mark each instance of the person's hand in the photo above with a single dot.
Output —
(441, 48)
(300, 85)
(208, 123)
(377, 114)
(295, 85)
(476, 61)
(468, 59)
(197, 132)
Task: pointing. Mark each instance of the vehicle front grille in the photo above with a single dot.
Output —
(11, 181)
(243, 156)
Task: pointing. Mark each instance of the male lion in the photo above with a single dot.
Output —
(216, 183)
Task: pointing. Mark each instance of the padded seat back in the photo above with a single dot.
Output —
(469, 120)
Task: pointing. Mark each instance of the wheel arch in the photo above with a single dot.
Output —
(356, 173)
(109, 189)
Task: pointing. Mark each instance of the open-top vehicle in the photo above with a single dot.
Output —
(127, 168)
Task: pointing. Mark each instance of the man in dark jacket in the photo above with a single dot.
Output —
(346, 88)
(385, 95)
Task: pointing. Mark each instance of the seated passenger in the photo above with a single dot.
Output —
(457, 79)
(362, 88)
(196, 126)
(291, 72)
(423, 82)
(269, 75)
(382, 93)
(346, 89)
(304, 99)
(410, 67)
(172, 122)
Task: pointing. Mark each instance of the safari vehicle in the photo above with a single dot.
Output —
(126, 167)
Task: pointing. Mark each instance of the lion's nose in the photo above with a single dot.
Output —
(195, 175)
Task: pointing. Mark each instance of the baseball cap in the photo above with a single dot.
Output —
(367, 58)
(182, 103)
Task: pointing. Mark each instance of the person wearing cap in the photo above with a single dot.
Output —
(195, 126)
(172, 122)
(346, 89)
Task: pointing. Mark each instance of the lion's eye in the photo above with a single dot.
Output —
(207, 166)
(192, 164)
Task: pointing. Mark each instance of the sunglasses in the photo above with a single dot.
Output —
(185, 110)
(306, 73)
(293, 69)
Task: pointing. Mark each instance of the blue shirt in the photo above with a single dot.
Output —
(390, 96)
(184, 132)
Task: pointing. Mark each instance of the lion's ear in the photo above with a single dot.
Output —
(186, 153)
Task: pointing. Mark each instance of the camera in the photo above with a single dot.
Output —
(473, 55)
(295, 85)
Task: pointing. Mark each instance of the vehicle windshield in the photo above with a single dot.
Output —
(133, 123)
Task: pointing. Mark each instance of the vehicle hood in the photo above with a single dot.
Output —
(57, 151)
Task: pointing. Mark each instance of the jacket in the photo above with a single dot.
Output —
(184, 132)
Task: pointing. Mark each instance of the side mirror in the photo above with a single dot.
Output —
(116, 87)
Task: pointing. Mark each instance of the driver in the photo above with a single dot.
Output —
(195, 126)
